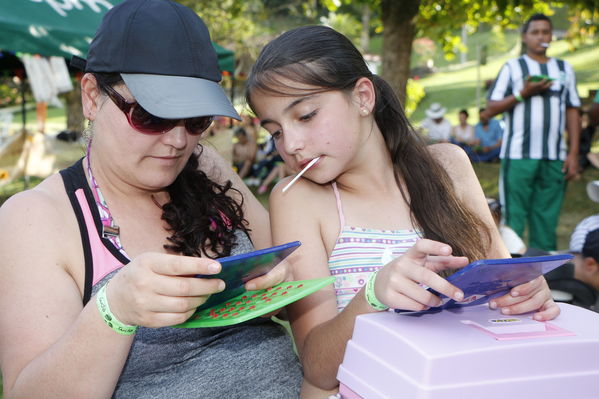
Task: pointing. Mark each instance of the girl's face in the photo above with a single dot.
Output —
(326, 125)
(463, 118)
(143, 160)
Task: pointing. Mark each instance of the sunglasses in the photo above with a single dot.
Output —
(144, 122)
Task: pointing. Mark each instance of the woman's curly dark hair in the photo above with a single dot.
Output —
(201, 217)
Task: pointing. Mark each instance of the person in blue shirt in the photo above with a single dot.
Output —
(488, 133)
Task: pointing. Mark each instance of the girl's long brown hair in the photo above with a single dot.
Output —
(326, 60)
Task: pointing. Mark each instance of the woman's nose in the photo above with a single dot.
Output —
(177, 136)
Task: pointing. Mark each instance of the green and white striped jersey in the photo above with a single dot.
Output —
(534, 128)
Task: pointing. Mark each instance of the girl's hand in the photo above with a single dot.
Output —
(532, 296)
(277, 275)
(400, 283)
(158, 290)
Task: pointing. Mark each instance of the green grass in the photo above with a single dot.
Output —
(577, 204)
(455, 87)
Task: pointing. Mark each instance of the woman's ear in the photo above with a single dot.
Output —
(90, 95)
(365, 95)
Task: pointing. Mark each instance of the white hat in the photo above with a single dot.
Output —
(435, 111)
(593, 190)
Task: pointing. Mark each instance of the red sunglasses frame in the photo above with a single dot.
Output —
(146, 123)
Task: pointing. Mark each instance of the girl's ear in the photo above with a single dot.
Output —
(90, 95)
(365, 95)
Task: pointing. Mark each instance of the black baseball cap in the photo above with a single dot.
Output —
(163, 51)
(590, 249)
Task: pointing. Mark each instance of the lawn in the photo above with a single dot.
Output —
(456, 87)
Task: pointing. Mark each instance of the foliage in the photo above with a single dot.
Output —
(9, 92)
(414, 93)
(236, 25)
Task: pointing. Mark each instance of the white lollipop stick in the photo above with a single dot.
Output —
(308, 166)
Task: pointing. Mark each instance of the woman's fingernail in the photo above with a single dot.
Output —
(505, 310)
(493, 305)
(221, 285)
(538, 317)
(459, 296)
(214, 267)
(250, 287)
(514, 293)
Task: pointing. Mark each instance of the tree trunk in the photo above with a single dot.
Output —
(399, 29)
(74, 111)
(365, 34)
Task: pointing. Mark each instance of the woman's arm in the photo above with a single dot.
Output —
(51, 346)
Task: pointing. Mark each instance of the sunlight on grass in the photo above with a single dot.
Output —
(456, 89)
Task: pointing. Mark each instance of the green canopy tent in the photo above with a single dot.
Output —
(62, 28)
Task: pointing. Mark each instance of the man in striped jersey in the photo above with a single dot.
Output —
(538, 97)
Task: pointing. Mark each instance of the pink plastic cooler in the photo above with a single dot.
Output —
(466, 353)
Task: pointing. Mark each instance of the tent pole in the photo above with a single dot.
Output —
(23, 108)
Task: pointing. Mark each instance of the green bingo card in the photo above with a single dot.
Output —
(251, 304)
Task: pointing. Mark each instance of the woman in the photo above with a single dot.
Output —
(95, 255)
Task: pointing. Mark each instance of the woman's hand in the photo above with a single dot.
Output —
(158, 290)
(532, 296)
(402, 283)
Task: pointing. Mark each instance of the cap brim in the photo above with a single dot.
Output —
(593, 190)
(174, 97)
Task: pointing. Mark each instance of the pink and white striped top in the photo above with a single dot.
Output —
(359, 252)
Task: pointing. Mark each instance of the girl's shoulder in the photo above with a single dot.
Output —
(303, 194)
(454, 160)
(449, 155)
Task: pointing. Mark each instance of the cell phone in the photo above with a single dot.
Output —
(237, 270)
(538, 78)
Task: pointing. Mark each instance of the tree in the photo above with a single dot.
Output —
(405, 20)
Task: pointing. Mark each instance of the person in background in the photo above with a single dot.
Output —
(512, 241)
(488, 133)
(436, 126)
(577, 282)
(538, 97)
(462, 134)
(589, 132)
(244, 152)
(101, 260)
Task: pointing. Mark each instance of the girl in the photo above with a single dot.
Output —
(378, 206)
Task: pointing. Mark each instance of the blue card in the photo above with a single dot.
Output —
(239, 269)
(483, 280)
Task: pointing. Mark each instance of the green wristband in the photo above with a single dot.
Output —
(370, 295)
(518, 96)
(110, 320)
